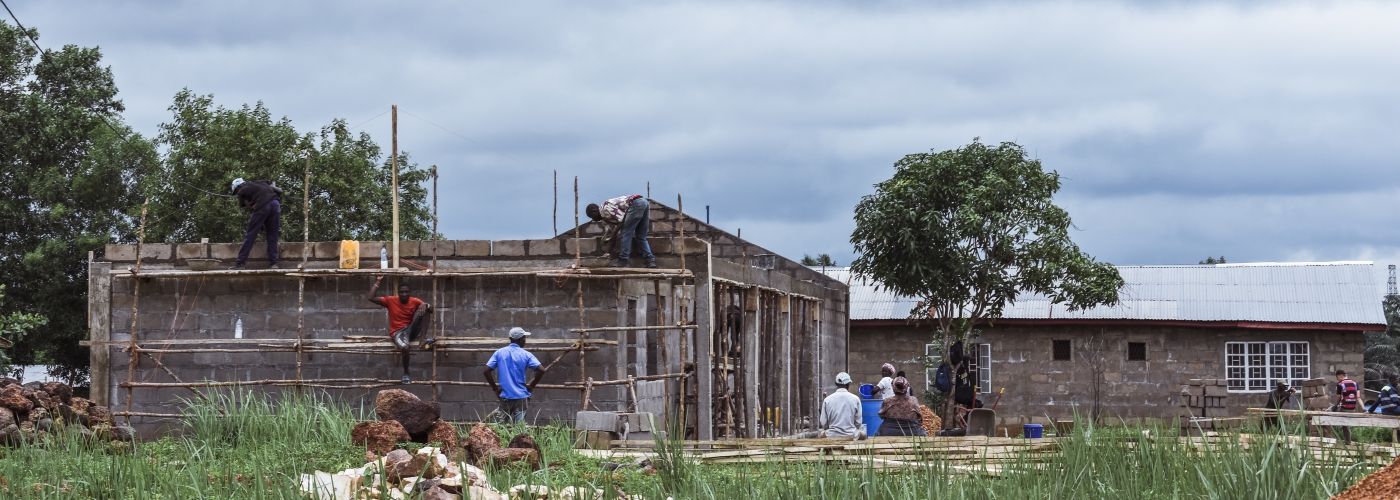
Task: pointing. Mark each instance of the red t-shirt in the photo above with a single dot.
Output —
(400, 314)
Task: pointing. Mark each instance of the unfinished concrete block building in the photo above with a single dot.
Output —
(726, 337)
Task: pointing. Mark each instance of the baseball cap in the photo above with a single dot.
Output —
(518, 333)
(236, 182)
(843, 378)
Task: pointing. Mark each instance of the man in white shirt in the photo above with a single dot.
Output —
(885, 389)
(630, 216)
(840, 417)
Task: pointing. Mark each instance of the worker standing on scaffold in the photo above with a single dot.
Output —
(408, 318)
(630, 215)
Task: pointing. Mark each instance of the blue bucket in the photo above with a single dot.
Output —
(870, 415)
(1033, 431)
(867, 391)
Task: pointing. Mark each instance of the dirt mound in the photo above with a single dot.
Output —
(1383, 483)
(932, 423)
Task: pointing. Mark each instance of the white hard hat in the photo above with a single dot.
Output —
(236, 182)
(518, 333)
(843, 378)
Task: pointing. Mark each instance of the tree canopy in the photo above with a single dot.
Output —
(819, 260)
(965, 230)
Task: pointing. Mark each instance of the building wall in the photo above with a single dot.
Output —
(1038, 387)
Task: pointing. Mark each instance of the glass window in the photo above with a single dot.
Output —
(1256, 366)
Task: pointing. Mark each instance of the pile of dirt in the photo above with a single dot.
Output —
(1383, 483)
(30, 410)
(932, 422)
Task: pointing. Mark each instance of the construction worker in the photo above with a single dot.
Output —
(1278, 399)
(630, 215)
(505, 371)
(840, 416)
(1388, 403)
(264, 203)
(1347, 393)
(408, 318)
(900, 412)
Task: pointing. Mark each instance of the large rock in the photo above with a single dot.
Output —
(379, 437)
(400, 464)
(82, 411)
(416, 415)
(13, 397)
(7, 381)
(501, 457)
(445, 435)
(59, 390)
(481, 440)
(42, 399)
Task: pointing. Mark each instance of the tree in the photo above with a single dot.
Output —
(1213, 260)
(966, 230)
(823, 260)
(68, 171)
(211, 145)
(1382, 355)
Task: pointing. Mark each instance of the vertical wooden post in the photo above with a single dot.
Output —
(437, 301)
(133, 351)
(583, 336)
(394, 180)
(556, 203)
(680, 225)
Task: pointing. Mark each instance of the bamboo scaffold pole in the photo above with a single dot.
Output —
(437, 299)
(301, 280)
(634, 328)
(583, 337)
(134, 357)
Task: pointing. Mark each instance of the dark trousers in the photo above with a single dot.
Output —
(421, 319)
(636, 225)
(266, 219)
(512, 411)
(896, 427)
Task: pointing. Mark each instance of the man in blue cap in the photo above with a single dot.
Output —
(264, 202)
(505, 371)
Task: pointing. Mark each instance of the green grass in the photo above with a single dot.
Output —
(240, 446)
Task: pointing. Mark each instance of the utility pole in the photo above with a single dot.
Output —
(394, 167)
(1390, 284)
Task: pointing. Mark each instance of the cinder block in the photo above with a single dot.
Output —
(585, 246)
(326, 250)
(292, 251)
(604, 421)
(637, 422)
(192, 251)
(410, 248)
(472, 248)
(543, 247)
(508, 248)
(119, 253)
(156, 251)
(229, 251)
(436, 248)
(1215, 390)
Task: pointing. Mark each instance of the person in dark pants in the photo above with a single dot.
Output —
(505, 371)
(408, 318)
(1278, 399)
(631, 216)
(264, 201)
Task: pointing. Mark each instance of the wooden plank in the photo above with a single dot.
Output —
(100, 330)
(1355, 421)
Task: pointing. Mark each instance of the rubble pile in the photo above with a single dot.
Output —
(403, 417)
(31, 410)
(427, 474)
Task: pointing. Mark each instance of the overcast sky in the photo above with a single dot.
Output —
(1182, 129)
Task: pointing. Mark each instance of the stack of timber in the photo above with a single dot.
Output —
(1324, 449)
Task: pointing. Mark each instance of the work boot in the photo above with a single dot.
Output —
(618, 263)
(236, 267)
(651, 264)
(427, 344)
(275, 265)
(405, 380)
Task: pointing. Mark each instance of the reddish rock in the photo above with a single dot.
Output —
(399, 464)
(500, 457)
(42, 399)
(59, 390)
(481, 441)
(9, 428)
(416, 415)
(379, 437)
(524, 441)
(13, 397)
(437, 493)
(7, 381)
(444, 434)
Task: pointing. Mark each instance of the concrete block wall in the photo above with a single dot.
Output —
(1037, 385)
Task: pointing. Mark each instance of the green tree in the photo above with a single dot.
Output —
(823, 260)
(68, 171)
(14, 327)
(209, 145)
(1213, 260)
(1382, 356)
(966, 230)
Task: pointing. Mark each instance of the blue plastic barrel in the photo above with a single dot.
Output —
(867, 391)
(870, 414)
(1033, 431)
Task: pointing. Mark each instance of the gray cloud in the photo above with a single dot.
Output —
(1183, 129)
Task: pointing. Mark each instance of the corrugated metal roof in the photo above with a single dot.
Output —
(1312, 292)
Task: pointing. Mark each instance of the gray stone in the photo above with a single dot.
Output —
(508, 248)
(543, 247)
(119, 253)
(191, 251)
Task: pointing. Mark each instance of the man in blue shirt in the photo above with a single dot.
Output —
(507, 366)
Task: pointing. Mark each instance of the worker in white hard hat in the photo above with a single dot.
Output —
(840, 417)
(264, 202)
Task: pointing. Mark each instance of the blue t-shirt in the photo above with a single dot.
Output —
(510, 363)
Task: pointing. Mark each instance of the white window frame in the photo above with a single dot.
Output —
(1254, 367)
(981, 361)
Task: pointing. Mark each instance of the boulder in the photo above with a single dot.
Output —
(13, 398)
(400, 464)
(445, 435)
(379, 437)
(85, 412)
(416, 416)
(41, 399)
(71, 416)
(59, 390)
(123, 433)
(7, 381)
(501, 457)
(481, 440)
(524, 441)
(9, 427)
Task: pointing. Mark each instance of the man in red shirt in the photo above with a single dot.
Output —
(408, 317)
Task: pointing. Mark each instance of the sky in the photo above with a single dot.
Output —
(1257, 131)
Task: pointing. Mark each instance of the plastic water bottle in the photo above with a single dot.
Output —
(238, 328)
(383, 257)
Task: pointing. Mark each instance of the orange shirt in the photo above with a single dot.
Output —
(400, 314)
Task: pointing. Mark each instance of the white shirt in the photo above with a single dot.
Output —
(841, 414)
(886, 387)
